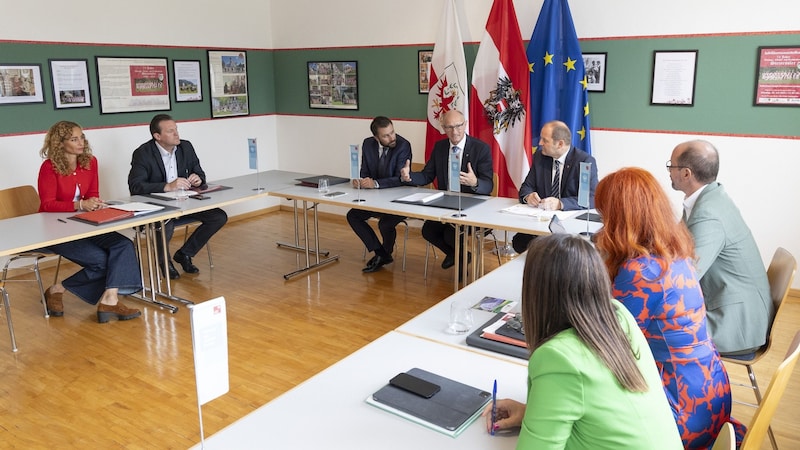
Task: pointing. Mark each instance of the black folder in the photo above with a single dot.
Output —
(314, 181)
(448, 201)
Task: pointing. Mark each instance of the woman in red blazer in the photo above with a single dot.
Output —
(68, 181)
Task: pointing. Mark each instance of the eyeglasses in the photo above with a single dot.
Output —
(670, 166)
(453, 127)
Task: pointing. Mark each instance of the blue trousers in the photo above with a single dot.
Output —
(108, 261)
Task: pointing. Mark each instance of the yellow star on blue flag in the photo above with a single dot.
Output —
(558, 94)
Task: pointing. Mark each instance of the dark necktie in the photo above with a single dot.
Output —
(383, 163)
(555, 189)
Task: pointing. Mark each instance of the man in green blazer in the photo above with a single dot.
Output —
(729, 265)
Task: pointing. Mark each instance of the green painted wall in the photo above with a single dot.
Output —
(387, 78)
(24, 118)
(725, 84)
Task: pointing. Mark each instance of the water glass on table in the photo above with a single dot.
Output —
(322, 186)
(460, 317)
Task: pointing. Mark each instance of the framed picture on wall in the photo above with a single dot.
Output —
(70, 80)
(424, 58)
(674, 76)
(333, 84)
(132, 84)
(778, 76)
(20, 83)
(186, 75)
(227, 77)
(595, 65)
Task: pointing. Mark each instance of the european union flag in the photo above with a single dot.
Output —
(558, 77)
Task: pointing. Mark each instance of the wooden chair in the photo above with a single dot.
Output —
(726, 439)
(766, 408)
(21, 201)
(780, 273)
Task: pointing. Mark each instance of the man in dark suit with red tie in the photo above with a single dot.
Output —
(554, 178)
(476, 177)
(382, 156)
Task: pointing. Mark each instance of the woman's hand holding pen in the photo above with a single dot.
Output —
(508, 414)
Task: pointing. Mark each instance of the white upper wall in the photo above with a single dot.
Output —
(311, 23)
(201, 23)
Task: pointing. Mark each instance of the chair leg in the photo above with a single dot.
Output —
(41, 287)
(7, 306)
(757, 393)
(427, 252)
(405, 245)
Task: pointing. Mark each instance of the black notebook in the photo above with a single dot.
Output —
(449, 411)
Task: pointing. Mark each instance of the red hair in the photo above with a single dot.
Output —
(638, 221)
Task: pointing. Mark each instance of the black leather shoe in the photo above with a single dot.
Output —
(173, 272)
(185, 262)
(449, 261)
(376, 263)
(370, 263)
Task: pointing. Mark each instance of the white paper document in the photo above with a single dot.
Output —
(530, 211)
(138, 207)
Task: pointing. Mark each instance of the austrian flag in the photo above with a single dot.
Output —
(499, 110)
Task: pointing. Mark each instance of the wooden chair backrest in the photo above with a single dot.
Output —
(780, 274)
(769, 403)
(18, 201)
(726, 439)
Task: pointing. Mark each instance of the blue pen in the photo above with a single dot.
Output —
(494, 406)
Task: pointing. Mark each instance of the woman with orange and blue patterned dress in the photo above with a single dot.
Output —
(648, 254)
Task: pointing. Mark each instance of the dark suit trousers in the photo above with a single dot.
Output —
(210, 222)
(387, 224)
(442, 236)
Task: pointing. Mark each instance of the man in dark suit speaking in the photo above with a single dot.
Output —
(554, 178)
(382, 156)
(167, 163)
(476, 177)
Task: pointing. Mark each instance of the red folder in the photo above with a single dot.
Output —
(104, 215)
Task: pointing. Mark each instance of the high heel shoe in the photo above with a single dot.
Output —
(55, 306)
(120, 311)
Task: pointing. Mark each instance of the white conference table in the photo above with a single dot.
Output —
(485, 215)
(328, 410)
(504, 282)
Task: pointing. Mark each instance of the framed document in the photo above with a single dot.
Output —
(70, 80)
(595, 66)
(674, 74)
(187, 81)
(227, 72)
(333, 84)
(133, 84)
(424, 58)
(20, 83)
(778, 76)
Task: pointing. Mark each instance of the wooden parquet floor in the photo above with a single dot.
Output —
(77, 384)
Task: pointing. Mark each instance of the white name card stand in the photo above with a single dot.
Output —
(210, 348)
